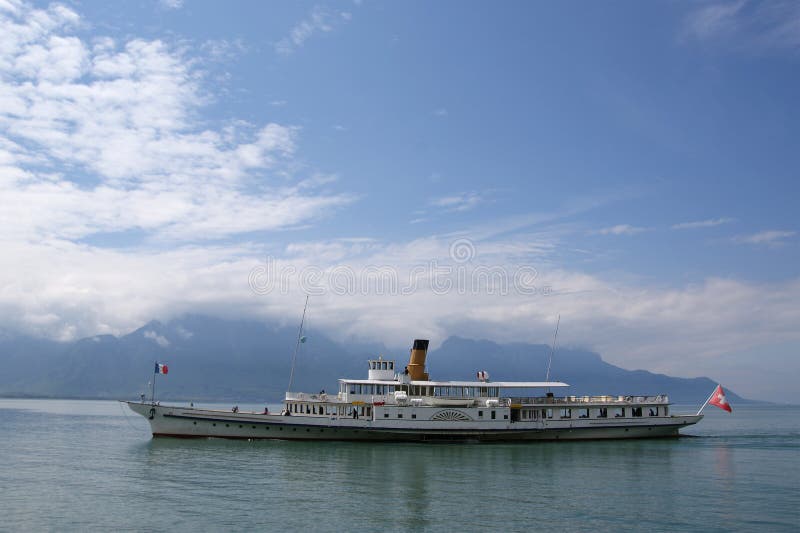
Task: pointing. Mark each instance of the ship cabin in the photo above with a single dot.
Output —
(393, 393)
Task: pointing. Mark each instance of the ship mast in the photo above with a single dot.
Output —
(552, 349)
(297, 345)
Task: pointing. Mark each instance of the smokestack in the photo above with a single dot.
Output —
(416, 364)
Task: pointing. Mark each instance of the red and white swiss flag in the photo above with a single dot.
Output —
(718, 399)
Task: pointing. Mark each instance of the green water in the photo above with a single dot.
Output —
(89, 465)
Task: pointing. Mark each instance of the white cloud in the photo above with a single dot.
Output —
(171, 4)
(155, 337)
(319, 20)
(746, 25)
(458, 202)
(713, 20)
(621, 229)
(709, 223)
(768, 238)
(104, 139)
(224, 49)
(441, 112)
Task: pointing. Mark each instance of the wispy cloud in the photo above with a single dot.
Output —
(709, 223)
(746, 25)
(767, 238)
(713, 20)
(155, 337)
(171, 4)
(223, 49)
(620, 229)
(458, 202)
(441, 112)
(319, 20)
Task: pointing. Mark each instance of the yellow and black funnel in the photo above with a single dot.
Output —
(416, 364)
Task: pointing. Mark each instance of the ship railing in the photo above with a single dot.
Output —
(590, 400)
(306, 397)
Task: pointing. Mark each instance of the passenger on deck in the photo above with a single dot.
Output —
(266, 410)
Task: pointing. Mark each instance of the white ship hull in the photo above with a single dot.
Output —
(188, 422)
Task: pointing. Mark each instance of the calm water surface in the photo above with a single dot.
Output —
(90, 465)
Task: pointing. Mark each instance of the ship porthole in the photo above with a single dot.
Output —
(195, 423)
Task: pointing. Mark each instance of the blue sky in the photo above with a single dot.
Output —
(642, 158)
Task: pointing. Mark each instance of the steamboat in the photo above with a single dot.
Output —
(395, 404)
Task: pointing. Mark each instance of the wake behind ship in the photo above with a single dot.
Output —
(406, 405)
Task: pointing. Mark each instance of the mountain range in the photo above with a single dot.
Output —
(220, 360)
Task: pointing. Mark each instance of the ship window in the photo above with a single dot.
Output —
(413, 415)
(602, 412)
(666, 411)
(505, 417)
(636, 411)
(480, 413)
(549, 413)
(566, 412)
(385, 415)
(391, 365)
(583, 413)
(619, 412)
(399, 415)
(494, 415)
(352, 389)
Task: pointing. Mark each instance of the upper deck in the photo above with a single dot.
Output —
(385, 385)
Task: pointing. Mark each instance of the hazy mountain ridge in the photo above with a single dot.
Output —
(215, 359)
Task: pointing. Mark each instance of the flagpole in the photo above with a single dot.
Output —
(153, 388)
(297, 346)
(707, 400)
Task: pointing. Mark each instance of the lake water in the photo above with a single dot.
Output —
(90, 465)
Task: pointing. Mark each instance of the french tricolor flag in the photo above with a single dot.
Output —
(161, 368)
